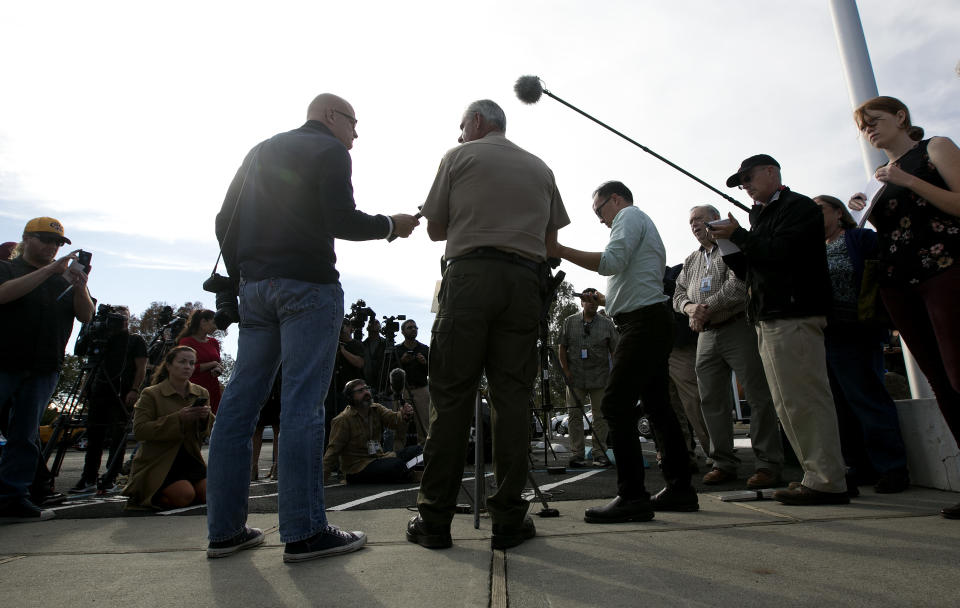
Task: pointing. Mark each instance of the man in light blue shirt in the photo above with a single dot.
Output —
(633, 260)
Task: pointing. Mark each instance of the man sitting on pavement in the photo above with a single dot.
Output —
(355, 440)
(586, 342)
(713, 298)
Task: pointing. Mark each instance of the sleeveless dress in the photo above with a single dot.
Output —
(917, 240)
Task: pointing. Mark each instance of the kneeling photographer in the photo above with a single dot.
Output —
(355, 440)
(120, 363)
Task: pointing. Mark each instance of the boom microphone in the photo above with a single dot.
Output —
(529, 90)
(398, 379)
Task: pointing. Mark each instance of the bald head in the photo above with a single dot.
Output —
(337, 115)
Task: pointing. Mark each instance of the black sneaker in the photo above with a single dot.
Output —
(83, 486)
(417, 532)
(329, 541)
(21, 510)
(505, 537)
(249, 537)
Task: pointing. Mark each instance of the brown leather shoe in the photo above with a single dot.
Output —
(718, 476)
(804, 496)
(763, 478)
(951, 512)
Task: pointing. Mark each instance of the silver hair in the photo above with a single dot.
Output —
(491, 112)
(709, 208)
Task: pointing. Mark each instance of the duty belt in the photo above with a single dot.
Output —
(492, 253)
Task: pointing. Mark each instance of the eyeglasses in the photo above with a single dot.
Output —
(600, 206)
(360, 389)
(747, 177)
(48, 239)
(350, 119)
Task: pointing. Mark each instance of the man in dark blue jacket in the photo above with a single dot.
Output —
(788, 297)
(288, 202)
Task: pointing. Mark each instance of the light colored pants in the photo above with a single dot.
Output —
(575, 423)
(734, 346)
(794, 360)
(682, 371)
(420, 399)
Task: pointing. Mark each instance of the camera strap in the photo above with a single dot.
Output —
(236, 207)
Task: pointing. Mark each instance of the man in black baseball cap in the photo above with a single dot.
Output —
(784, 263)
(757, 160)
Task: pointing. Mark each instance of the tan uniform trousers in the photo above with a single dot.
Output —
(575, 423)
(795, 363)
(488, 322)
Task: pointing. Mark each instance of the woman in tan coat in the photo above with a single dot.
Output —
(171, 418)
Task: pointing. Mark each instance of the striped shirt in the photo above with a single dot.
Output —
(706, 279)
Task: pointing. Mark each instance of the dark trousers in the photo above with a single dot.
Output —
(387, 470)
(488, 321)
(106, 417)
(867, 417)
(640, 371)
(926, 315)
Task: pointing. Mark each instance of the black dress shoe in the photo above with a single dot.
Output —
(620, 510)
(892, 482)
(670, 499)
(804, 496)
(505, 537)
(418, 532)
(951, 512)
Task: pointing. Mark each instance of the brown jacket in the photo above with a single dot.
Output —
(349, 434)
(157, 423)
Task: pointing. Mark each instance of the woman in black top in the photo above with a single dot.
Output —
(917, 216)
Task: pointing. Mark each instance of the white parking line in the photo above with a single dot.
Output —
(585, 475)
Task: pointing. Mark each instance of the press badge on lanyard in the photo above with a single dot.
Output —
(705, 284)
(583, 353)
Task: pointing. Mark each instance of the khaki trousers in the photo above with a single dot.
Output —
(420, 399)
(683, 373)
(794, 360)
(575, 424)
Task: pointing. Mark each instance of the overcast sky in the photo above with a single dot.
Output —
(127, 120)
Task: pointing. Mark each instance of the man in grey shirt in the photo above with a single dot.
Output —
(633, 260)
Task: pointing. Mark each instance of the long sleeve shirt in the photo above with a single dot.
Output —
(706, 279)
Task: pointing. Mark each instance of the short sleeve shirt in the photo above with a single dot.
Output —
(492, 193)
(588, 349)
(36, 326)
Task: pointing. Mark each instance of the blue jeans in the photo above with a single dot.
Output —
(28, 394)
(296, 323)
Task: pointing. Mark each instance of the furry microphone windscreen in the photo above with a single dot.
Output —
(528, 89)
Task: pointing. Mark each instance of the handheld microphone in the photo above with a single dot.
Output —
(417, 215)
(398, 379)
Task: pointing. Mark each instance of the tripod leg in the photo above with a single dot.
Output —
(546, 511)
(479, 464)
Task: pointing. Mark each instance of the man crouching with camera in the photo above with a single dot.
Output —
(36, 319)
(355, 440)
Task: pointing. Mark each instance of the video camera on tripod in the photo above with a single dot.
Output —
(93, 336)
(390, 327)
(360, 313)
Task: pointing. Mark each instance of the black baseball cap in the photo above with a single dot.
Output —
(759, 160)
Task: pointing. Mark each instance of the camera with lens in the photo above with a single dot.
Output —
(391, 327)
(227, 306)
(360, 313)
